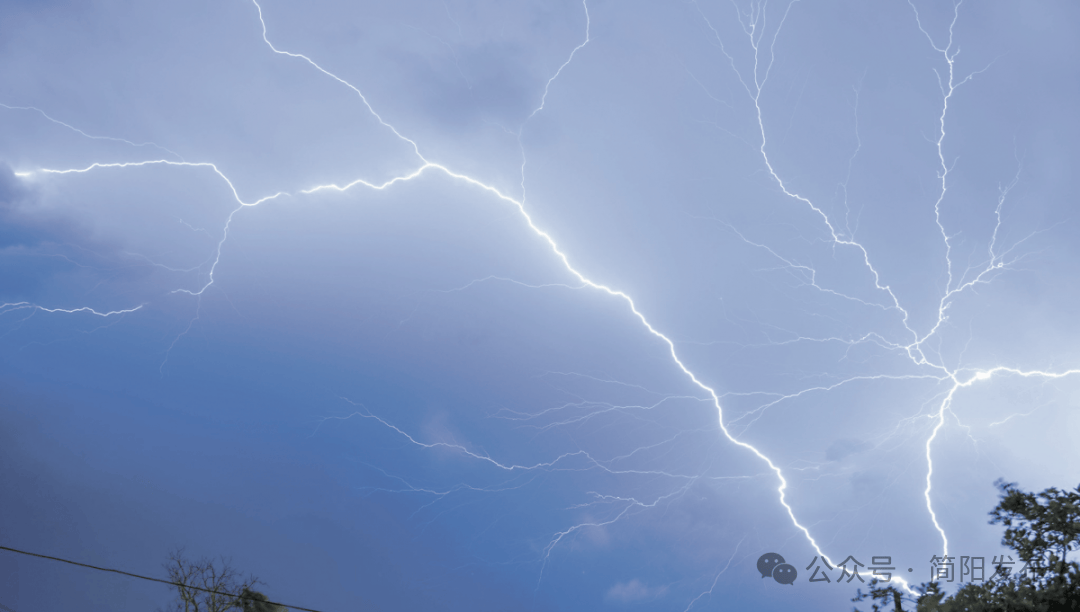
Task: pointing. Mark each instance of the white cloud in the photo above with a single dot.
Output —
(633, 591)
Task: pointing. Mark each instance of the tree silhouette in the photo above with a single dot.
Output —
(209, 585)
(254, 601)
(1041, 529)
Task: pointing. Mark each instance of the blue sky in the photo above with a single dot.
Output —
(448, 305)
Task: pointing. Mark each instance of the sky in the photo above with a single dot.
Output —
(531, 306)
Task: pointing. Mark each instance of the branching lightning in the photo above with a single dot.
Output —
(754, 81)
(753, 24)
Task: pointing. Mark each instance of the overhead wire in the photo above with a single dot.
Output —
(141, 577)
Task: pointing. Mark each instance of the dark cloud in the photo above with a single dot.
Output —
(18, 227)
(10, 186)
(27, 254)
(37, 246)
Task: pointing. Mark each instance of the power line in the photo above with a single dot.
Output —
(116, 571)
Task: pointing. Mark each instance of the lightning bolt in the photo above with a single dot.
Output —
(91, 137)
(13, 306)
(753, 24)
(755, 82)
(717, 579)
(562, 257)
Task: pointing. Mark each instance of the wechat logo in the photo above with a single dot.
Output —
(772, 565)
